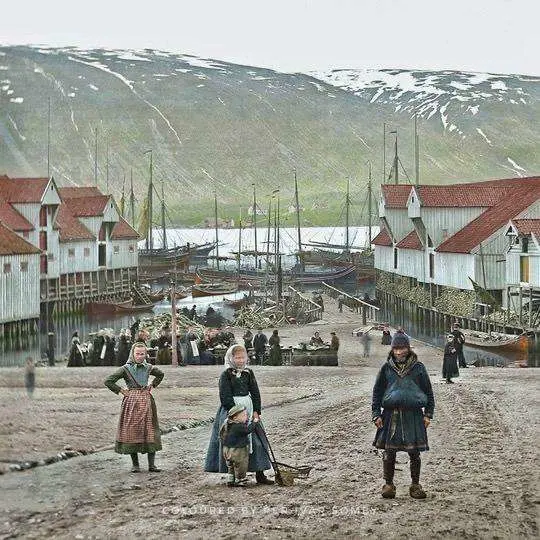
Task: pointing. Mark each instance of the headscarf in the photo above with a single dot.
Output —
(229, 359)
(140, 371)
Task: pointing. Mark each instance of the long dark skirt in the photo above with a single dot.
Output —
(258, 459)
(403, 429)
(449, 366)
(138, 427)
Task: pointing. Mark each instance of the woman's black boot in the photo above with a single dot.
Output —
(261, 478)
(151, 463)
(135, 463)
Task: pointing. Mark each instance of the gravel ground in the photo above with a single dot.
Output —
(481, 473)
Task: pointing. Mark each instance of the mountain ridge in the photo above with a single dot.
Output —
(217, 127)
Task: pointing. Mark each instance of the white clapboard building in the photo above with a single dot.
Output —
(446, 236)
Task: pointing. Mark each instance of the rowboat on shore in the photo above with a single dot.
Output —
(496, 341)
(127, 306)
(212, 289)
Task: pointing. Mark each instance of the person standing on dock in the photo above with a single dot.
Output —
(138, 428)
(334, 342)
(275, 349)
(459, 340)
(402, 408)
(340, 301)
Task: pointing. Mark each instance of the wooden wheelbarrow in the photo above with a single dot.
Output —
(285, 474)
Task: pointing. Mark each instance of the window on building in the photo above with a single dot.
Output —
(43, 240)
(429, 241)
(24, 266)
(43, 264)
(116, 249)
(444, 234)
(7, 268)
(524, 269)
(43, 216)
(71, 252)
(131, 248)
(50, 256)
(431, 265)
(395, 258)
(87, 252)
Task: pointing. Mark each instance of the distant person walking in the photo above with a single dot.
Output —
(76, 356)
(334, 342)
(29, 377)
(459, 340)
(386, 336)
(366, 343)
(450, 360)
(340, 301)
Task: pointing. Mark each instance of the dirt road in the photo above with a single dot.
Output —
(481, 473)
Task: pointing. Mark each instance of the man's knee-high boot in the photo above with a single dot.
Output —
(135, 463)
(416, 490)
(151, 462)
(389, 467)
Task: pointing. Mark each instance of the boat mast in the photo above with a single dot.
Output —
(174, 358)
(369, 204)
(297, 204)
(216, 229)
(268, 248)
(347, 206)
(384, 153)
(132, 199)
(123, 198)
(239, 245)
(396, 161)
(255, 228)
(416, 153)
(107, 165)
(149, 239)
(164, 230)
(49, 141)
(95, 156)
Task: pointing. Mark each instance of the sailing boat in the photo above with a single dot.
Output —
(158, 261)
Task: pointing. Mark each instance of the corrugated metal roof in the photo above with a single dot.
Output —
(410, 241)
(12, 244)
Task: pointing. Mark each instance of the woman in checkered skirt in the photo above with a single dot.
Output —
(138, 428)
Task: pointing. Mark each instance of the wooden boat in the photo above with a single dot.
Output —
(127, 306)
(496, 341)
(212, 289)
(236, 304)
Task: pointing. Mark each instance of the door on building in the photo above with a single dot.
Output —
(102, 255)
(524, 269)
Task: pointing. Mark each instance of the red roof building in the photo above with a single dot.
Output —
(124, 231)
(12, 244)
(411, 241)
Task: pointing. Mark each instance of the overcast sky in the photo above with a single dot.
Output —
(498, 36)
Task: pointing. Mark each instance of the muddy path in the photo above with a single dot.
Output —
(481, 473)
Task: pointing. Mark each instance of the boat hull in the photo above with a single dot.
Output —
(505, 343)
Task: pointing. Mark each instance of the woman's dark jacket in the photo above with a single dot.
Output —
(230, 385)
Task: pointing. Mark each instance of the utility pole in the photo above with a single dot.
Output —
(174, 359)
(396, 161)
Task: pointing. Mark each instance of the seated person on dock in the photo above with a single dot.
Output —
(316, 340)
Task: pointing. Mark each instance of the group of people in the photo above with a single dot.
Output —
(317, 341)
(402, 409)
(232, 447)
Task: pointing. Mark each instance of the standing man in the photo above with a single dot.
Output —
(259, 344)
(459, 340)
(334, 341)
(402, 408)
(340, 300)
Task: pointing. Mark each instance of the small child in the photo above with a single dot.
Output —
(234, 439)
